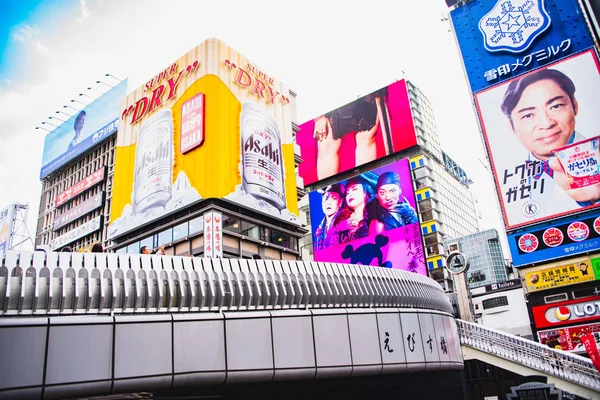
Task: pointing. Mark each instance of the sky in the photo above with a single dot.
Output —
(328, 52)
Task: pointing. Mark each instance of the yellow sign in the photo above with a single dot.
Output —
(559, 275)
(211, 125)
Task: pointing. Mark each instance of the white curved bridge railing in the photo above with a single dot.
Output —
(79, 325)
(42, 283)
(567, 366)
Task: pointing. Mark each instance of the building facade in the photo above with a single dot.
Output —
(99, 158)
(484, 252)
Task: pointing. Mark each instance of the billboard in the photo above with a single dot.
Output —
(86, 183)
(369, 219)
(76, 233)
(567, 312)
(213, 235)
(568, 338)
(82, 131)
(362, 131)
(78, 211)
(565, 237)
(525, 121)
(7, 216)
(499, 40)
(576, 271)
(210, 125)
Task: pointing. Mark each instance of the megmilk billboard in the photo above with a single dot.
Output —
(210, 125)
(541, 132)
(502, 39)
(362, 131)
(369, 219)
(7, 216)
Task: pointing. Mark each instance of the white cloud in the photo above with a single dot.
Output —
(327, 57)
(85, 11)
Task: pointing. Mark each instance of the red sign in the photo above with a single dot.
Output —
(567, 312)
(528, 243)
(568, 338)
(590, 341)
(192, 123)
(553, 237)
(80, 187)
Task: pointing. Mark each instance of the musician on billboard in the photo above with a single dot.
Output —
(541, 109)
(78, 127)
(391, 209)
(361, 118)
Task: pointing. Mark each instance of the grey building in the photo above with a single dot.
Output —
(483, 249)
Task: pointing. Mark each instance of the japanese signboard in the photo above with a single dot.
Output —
(78, 211)
(369, 219)
(567, 312)
(7, 216)
(565, 237)
(524, 121)
(210, 125)
(560, 275)
(76, 233)
(567, 338)
(85, 129)
(213, 235)
(502, 39)
(81, 186)
(362, 131)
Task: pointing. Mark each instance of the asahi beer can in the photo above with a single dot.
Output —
(153, 162)
(262, 161)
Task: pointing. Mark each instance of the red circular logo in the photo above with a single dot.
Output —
(553, 237)
(578, 231)
(597, 225)
(528, 243)
(562, 313)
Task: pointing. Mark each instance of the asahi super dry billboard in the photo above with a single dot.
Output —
(210, 125)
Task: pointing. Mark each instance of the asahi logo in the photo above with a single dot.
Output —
(254, 144)
(154, 155)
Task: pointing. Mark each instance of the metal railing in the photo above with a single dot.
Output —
(42, 283)
(567, 366)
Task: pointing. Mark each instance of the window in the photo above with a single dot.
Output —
(148, 242)
(180, 231)
(250, 230)
(165, 237)
(231, 224)
(587, 292)
(495, 302)
(556, 298)
(133, 248)
(196, 225)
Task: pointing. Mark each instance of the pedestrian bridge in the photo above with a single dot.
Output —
(84, 324)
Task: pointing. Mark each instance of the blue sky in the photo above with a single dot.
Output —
(27, 20)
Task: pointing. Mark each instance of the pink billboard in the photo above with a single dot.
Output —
(369, 219)
(365, 130)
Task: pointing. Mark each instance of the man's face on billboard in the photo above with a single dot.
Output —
(544, 118)
(331, 203)
(388, 195)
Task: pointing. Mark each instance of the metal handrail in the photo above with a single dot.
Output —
(42, 283)
(567, 366)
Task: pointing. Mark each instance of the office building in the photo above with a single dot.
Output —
(484, 252)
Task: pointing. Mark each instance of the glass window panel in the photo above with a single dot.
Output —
(180, 231)
(133, 248)
(149, 242)
(196, 225)
(250, 230)
(231, 224)
(165, 237)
